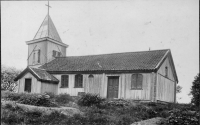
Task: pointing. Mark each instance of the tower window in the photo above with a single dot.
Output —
(56, 54)
(38, 56)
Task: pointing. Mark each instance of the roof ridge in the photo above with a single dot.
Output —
(115, 53)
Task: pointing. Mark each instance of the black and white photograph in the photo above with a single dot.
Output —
(101, 62)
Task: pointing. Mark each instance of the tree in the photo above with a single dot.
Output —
(195, 91)
(8, 75)
(178, 89)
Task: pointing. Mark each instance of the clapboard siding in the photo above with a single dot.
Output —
(165, 85)
(165, 89)
(35, 84)
(42, 47)
(161, 70)
(98, 85)
(70, 90)
(49, 87)
(53, 46)
(143, 94)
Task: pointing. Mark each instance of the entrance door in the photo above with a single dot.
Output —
(113, 86)
(27, 87)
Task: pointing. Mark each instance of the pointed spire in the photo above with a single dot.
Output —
(48, 30)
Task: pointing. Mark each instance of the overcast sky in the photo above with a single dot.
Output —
(98, 27)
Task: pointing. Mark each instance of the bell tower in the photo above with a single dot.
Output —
(46, 45)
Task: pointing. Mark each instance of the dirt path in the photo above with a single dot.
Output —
(153, 121)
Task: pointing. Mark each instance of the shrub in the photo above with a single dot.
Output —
(11, 114)
(89, 100)
(63, 98)
(37, 100)
(116, 102)
(181, 117)
(52, 95)
(12, 96)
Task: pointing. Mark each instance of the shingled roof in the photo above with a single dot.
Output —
(144, 60)
(39, 74)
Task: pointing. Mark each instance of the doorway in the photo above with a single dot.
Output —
(27, 87)
(113, 87)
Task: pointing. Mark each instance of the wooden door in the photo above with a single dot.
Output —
(27, 85)
(113, 87)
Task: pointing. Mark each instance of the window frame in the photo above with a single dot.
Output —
(25, 88)
(78, 82)
(137, 82)
(63, 80)
(166, 72)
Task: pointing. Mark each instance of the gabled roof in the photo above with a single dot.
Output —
(47, 29)
(39, 74)
(144, 60)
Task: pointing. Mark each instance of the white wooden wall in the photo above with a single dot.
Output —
(49, 87)
(166, 85)
(70, 90)
(165, 89)
(43, 49)
(53, 46)
(99, 86)
(35, 84)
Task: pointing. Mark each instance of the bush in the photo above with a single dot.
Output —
(37, 100)
(11, 114)
(116, 102)
(52, 95)
(12, 96)
(63, 98)
(89, 100)
(181, 117)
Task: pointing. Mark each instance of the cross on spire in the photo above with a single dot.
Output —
(48, 7)
(48, 16)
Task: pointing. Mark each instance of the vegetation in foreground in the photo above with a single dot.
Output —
(97, 111)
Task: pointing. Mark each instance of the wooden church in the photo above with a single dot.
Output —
(144, 75)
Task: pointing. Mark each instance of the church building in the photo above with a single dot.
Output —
(144, 75)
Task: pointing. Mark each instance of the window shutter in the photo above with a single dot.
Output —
(38, 56)
(134, 81)
(139, 81)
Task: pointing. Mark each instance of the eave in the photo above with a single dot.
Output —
(46, 38)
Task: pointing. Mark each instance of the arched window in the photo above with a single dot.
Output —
(64, 81)
(166, 71)
(78, 81)
(136, 81)
(90, 76)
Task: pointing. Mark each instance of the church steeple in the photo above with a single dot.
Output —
(46, 44)
(47, 29)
